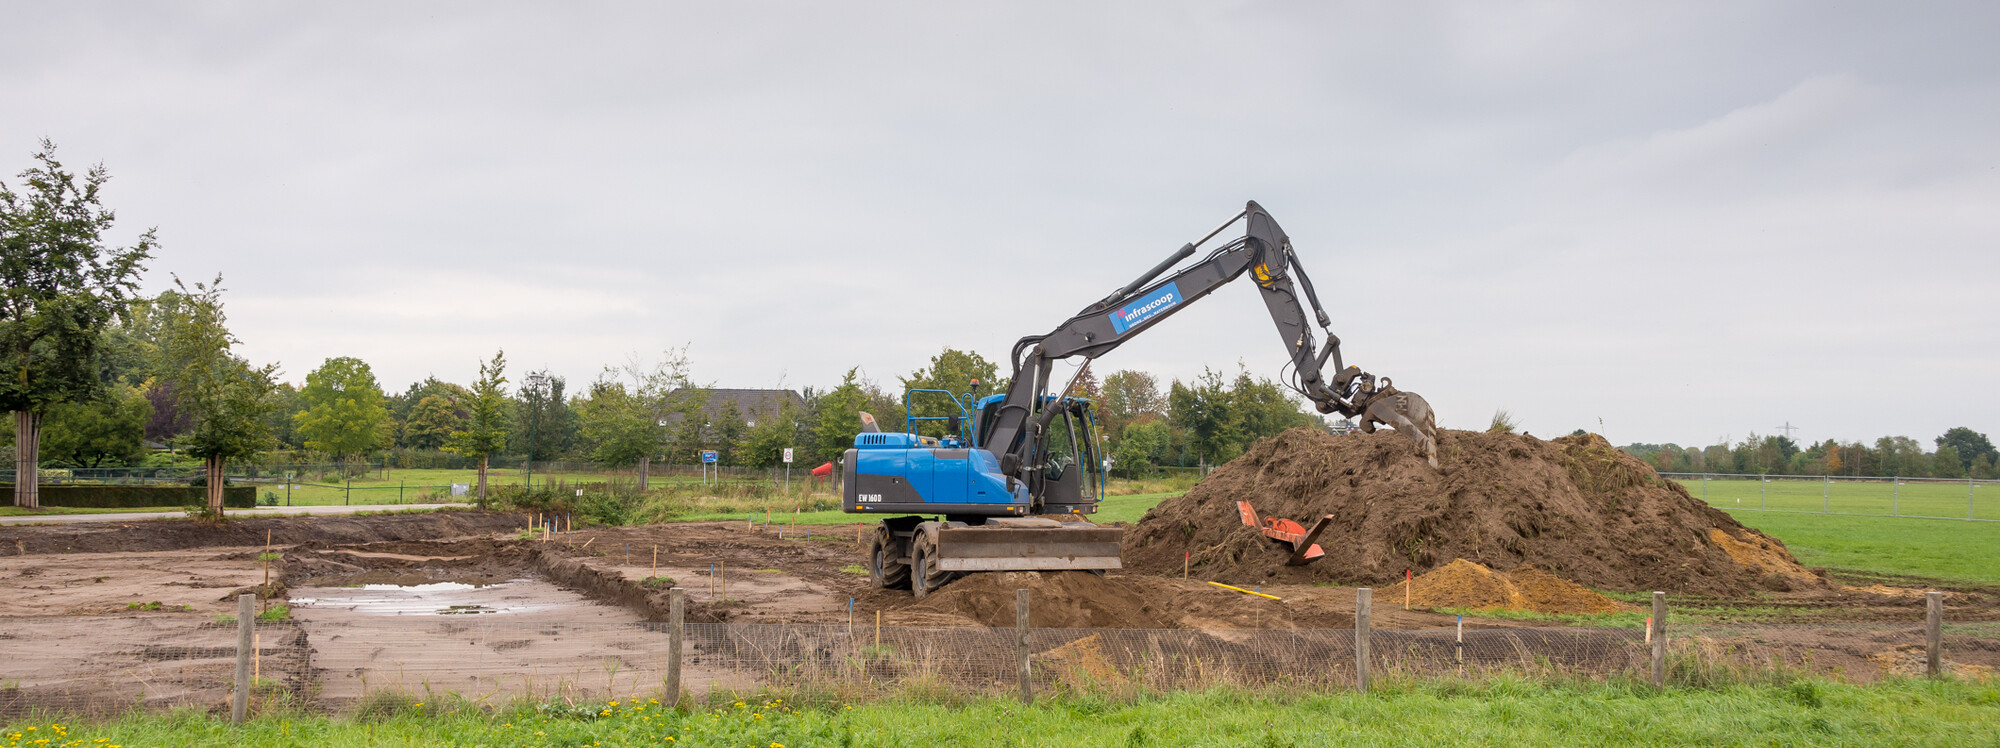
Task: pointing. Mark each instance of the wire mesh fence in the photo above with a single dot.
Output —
(311, 484)
(107, 665)
(1936, 498)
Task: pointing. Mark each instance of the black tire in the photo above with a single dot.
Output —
(883, 567)
(925, 578)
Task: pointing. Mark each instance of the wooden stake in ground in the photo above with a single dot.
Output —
(676, 617)
(656, 560)
(1021, 672)
(1409, 581)
(246, 617)
(1659, 632)
(878, 632)
(1363, 603)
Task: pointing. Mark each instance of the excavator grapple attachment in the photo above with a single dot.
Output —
(1028, 544)
(1304, 551)
(1406, 412)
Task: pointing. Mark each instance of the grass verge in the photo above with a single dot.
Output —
(1499, 711)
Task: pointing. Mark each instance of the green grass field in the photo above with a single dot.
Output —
(1497, 712)
(1866, 538)
(1909, 498)
(1939, 548)
(402, 486)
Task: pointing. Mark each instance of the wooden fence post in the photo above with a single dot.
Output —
(246, 616)
(1659, 636)
(1934, 633)
(1021, 646)
(1363, 605)
(676, 630)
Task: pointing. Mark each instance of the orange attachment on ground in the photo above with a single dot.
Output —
(1292, 533)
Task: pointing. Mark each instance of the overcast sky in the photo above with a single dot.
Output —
(1688, 220)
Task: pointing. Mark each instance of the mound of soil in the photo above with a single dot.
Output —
(1075, 599)
(1464, 584)
(169, 533)
(1575, 507)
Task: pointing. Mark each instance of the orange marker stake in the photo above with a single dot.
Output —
(1408, 582)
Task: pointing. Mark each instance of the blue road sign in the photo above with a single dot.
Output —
(710, 456)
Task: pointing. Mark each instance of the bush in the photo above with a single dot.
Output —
(601, 503)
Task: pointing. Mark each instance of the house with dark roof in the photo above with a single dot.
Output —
(753, 405)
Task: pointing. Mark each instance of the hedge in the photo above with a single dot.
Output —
(234, 497)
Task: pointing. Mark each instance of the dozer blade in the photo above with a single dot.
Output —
(1029, 544)
(1304, 551)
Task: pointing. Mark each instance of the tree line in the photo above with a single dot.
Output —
(98, 375)
(1959, 453)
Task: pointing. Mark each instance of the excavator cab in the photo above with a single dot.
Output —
(1071, 475)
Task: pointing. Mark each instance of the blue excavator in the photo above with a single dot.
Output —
(1007, 485)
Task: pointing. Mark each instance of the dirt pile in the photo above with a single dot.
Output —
(173, 533)
(1075, 599)
(1575, 507)
(1464, 584)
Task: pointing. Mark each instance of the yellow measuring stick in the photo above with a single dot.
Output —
(1247, 592)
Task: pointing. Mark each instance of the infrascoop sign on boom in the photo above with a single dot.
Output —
(1144, 309)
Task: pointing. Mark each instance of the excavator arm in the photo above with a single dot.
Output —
(1265, 253)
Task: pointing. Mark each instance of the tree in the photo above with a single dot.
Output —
(544, 427)
(1947, 463)
(631, 423)
(953, 371)
(432, 423)
(1262, 409)
(1901, 457)
(485, 430)
(1971, 445)
(1203, 410)
(60, 287)
(286, 405)
(1141, 446)
(1128, 396)
(839, 416)
(401, 406)
(108, 429)
(224, 398)
(344, 414)
(725, 433)
(764, 445)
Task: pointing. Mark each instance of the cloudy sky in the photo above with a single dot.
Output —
(1684, 221)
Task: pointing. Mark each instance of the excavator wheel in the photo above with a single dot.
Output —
(885, 568)
(925, 577)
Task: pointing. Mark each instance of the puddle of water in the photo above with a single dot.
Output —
(430, 599)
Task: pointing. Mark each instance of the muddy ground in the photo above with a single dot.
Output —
(129, 613)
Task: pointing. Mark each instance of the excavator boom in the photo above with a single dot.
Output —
(1028, 448)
